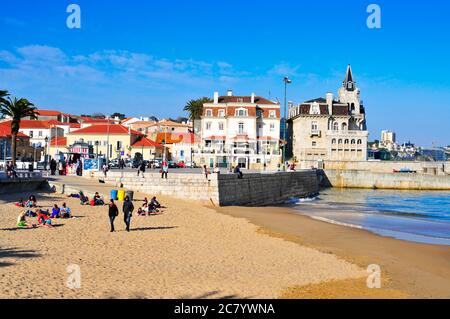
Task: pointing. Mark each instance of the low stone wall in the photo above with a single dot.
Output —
(222, 189)
(10, 186)
(266, 189)
(373, 180)
(429, 168)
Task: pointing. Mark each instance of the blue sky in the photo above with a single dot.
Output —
(149, 57)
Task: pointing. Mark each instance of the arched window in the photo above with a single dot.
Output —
(335, 126)
(359, 142)
(344, 126)
(353, 142)
(333, 141)
(346, 142)
(340, 141)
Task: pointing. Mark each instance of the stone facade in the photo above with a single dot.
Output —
(329, 129)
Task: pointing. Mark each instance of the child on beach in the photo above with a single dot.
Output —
(32, 202)
(98, 201)
(65, 211)
(22, 221)
(43, 218)
(20, 203)
(55, 211)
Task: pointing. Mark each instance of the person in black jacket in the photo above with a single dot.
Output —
(127, 212)
(113, 213)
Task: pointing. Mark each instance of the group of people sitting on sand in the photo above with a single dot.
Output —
(44, 216)
(149, 209)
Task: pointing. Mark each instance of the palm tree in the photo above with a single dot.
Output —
(16, 110)
(195, 109)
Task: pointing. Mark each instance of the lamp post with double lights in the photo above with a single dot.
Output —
(286, 81)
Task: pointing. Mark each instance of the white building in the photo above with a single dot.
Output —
(328, 129)
(240, 130)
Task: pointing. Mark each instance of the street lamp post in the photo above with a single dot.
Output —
(107, 142)
(45, 152)
(286, 81)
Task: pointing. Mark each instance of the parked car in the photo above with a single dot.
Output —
(181, 164)
(190, 165)
(173, 164)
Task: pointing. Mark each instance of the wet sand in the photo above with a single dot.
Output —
(189, 251)
(409, 270)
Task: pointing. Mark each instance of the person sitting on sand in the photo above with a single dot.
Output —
(20, 203)
(84, 200)
(142, 211)
(55, 211)
(44, 218)
(65, 211)
(22, 221)
(98, 201)
(154, 204)
(32, 202)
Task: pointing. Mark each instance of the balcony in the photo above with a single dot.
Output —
(316, 133)
(348, 133)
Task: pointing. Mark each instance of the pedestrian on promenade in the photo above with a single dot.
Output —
(206, 171)
(113, 212)
(127, 212)
(53, 167)
(165, 169)
(141, 168)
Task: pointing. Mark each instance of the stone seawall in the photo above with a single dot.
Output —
(266, 189)
(373, 180)
(222, 189)
(10, 186)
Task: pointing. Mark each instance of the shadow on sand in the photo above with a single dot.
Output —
(15, 253)
(152, 228)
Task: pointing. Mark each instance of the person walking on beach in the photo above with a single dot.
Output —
(206, 171)
(113, 212)
(127, 212)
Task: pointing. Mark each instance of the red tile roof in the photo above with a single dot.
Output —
(5, 130)
(114, 129)
(59, 141)
(32, 124)
(145, 142)
(245, 99)
(47, 113)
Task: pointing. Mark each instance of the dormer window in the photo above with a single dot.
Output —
(222, 113)
(272, 114)
(241, 112)
(209, 113)
(315, 109)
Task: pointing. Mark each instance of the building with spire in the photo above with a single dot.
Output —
(330, 129)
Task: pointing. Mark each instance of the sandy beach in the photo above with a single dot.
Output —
(189, 251)
(409, 270)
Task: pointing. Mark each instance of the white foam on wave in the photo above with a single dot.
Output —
(334, 222)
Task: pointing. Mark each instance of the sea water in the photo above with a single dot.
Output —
(418, 216)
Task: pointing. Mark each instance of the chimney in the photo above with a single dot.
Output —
(216, 97)
(230, 93)
(330, 103)
(253, 98)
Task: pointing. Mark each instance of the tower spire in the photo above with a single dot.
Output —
(349, 84)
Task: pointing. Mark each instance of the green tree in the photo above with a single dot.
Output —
(195, 109)
(121, 116)
(16, 109)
